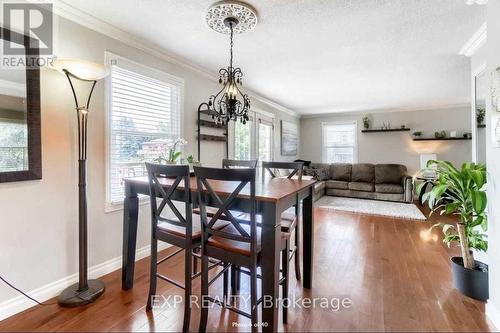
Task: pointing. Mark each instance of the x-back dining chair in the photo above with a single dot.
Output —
(229, 164)
(290, 221)
(239, 243)
(181, 230)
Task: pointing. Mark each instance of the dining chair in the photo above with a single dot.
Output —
(290, 220)
(182, 230)
(239, 243)
(229, 164)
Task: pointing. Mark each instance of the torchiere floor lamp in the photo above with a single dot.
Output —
(85, 291)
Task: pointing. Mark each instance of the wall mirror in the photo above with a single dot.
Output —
(20, 142)
(480, 91)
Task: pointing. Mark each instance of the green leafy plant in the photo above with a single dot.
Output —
(172, 155)
(460, 192)
(366, 122)
(480, 114)
(417, 134)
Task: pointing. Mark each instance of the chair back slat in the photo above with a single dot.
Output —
(294, 168)
(157, 190)
(207, 195)
(229, 164)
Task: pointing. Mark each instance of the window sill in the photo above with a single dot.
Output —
(118, 206)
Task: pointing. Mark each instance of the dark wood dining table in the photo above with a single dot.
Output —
(273, 195)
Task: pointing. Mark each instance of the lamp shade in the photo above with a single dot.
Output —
(81, 69)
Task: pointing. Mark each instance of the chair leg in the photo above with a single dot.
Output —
(204, 293)
(298, 275)
(225, 284)
(253, 296)
(285, 262)
(235, 280)
(187, 289)
(152, 275)
(195, 261)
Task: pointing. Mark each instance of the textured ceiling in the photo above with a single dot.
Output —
(316, 56)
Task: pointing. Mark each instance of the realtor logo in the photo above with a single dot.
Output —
(31, 19)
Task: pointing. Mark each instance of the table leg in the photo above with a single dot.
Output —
(308, 238)
(270, 265)
(130, 214)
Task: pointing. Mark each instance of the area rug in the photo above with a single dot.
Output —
(371, 207)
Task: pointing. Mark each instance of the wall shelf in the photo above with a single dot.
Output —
(441, 139)
(380, 130)
(481, 126)
(207, 137)
(212, 124)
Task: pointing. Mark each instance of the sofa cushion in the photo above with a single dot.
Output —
(338, 184)
(363, 172)
(341, 171)
(361, 186)
(389, 188)
(389, 173)
(319, 174)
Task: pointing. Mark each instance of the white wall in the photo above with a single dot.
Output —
(493, 165)
(38, 238)
(396, 147)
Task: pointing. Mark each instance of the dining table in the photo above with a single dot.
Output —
(273, 196)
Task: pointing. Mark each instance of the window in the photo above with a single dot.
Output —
(339, 143)
(145, 116)
(242, 141)
(13, 145)
(265, 137)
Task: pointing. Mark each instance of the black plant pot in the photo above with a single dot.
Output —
(472, 283)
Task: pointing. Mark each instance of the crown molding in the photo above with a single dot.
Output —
(475, 42)
(80, 17)
(375, 111)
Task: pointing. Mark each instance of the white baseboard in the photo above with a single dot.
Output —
(493, 314)
(42, 294)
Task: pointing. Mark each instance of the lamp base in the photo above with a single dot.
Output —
(71, 297)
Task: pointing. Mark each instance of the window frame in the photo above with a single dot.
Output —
(114, 59)
(324, 148)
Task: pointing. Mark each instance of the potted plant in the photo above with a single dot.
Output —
(417, 134)
(480, 114)
(461, 192)
(366, 122)
(171, 155)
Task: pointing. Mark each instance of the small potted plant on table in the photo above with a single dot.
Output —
(461, 192)
(171, 155)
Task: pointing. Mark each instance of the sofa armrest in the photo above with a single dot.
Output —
(408, 188)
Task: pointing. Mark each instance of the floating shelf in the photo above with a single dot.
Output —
(481, 126)
(212, 124)
(206, 137)
(441, 139)
(380, 130)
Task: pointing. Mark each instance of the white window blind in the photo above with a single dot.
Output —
(339, 143)
(145, 117)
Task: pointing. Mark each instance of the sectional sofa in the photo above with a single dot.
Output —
(389, 182)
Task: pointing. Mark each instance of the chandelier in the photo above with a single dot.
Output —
(230, 103)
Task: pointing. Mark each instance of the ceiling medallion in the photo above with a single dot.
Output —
(230, 103)
(242, 12)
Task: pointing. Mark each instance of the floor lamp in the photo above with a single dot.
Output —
(85, 291)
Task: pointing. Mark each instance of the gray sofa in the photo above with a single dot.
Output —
(388, 182)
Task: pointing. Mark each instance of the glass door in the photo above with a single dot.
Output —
(265, 133)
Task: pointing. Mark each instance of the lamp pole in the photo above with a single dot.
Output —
(85, 291)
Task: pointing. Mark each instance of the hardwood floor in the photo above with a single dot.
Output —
(395, 274)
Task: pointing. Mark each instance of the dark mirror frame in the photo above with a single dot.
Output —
(32, 113)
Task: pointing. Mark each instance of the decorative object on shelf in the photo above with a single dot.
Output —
(403, 126)
(453, 134)
(366, 122)
(480, 114)
(467, 135)
(440, 135)
(171, 154)
(461, 192)
(417, 134)
(230, 17)
(289, 138)
(85, 291)
(386, 125)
